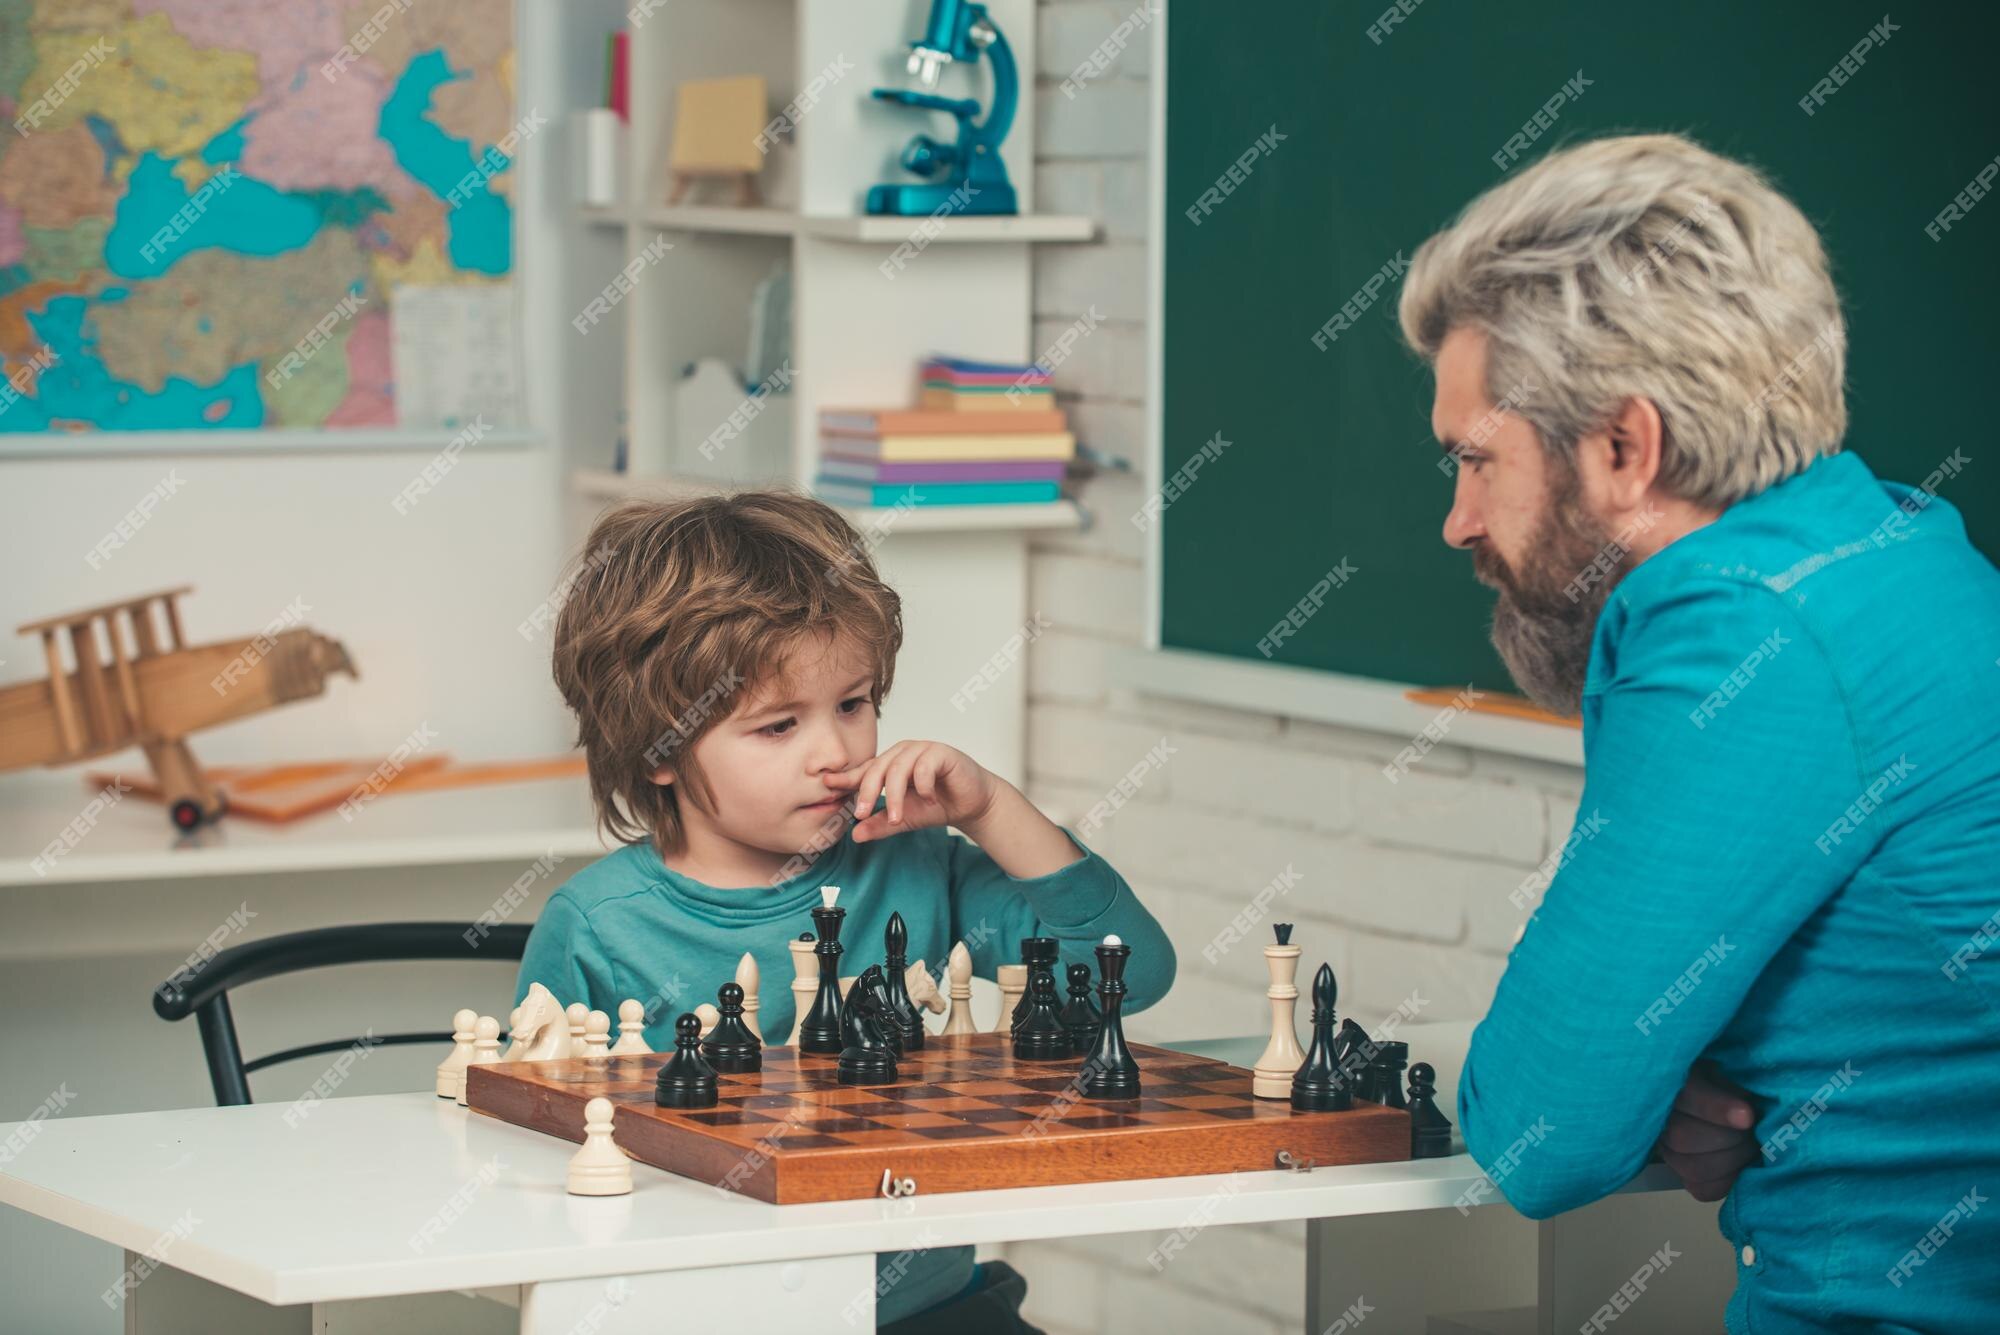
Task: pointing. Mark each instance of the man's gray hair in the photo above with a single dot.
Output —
(1647, 267)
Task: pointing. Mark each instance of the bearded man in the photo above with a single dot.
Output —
(1772, 947)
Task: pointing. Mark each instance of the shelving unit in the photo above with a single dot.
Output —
(866, 307)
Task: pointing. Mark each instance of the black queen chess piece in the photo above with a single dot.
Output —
(903, 1014)
(1040, 1035)
(820, 1031)
(687, 1080)
(867, 1058)
(1319, 1085)
(1110, 1071)
(730, 1046)
(1080, 1015)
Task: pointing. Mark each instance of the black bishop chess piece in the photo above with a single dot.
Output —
(820, 1031)
(1040, 1034)
(1080, 1016)
(904, 1017)
(1110, 1071)
(867, 1059)
(687, 1080)
(1319, 1085)
(875, 988)
(731, 1047)
(1430, 1129)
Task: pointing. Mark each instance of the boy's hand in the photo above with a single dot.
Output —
(1708, 1139)
(924, 783)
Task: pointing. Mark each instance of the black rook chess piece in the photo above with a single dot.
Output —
(731, 1047)
(1430, 1129)
(1080, 1015)
(687, 1080)
(1110, 1072)
(1382, 1077)
(820, 1030)
(1318, 1085)
(867, 1059)
(1031, 948)
(1041, 1036)
(903, 1015)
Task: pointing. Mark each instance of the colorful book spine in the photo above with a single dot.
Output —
(926, 422)
(893, 495)
(848, 469)
(1043, 445)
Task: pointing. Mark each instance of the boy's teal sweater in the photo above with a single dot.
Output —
(628, 927)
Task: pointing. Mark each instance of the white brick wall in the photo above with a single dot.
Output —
(1403, 887)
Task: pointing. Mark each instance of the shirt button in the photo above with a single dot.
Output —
(1749, 1255)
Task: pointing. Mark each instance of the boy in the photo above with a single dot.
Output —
(726, 658)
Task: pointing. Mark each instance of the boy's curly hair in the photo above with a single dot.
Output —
(679, 609)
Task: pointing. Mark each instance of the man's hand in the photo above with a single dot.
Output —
(1707, 1139)
(923, 784)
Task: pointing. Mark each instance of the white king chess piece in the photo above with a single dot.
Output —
(1272, 1076)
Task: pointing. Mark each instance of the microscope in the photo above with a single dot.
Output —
(958, 30)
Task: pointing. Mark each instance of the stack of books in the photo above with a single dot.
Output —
(982, 433)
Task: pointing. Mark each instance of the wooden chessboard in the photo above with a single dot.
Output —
(963, 1115)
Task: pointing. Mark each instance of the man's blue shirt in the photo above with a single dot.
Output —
(1787, 861)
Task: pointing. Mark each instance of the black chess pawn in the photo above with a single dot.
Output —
(1430, 1129)
(1041, 1035)
(820, 1030)
(903, 1014)
(1318, 1085)
(1080, 1015)
(867, 1059)
(875, 988)
(731, 1047)
(1110, 1071)
(687, 1080)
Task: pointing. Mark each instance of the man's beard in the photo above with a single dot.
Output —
(1547, 613)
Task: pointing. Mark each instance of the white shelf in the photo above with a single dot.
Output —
(504, 822)
(968, 229)
(1065, 514)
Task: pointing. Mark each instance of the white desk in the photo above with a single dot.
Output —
(316, 1219)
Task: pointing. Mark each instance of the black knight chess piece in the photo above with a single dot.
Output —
(1041, 1036)
(1110, 1071)
(876, 987)
(687, 1080)
(867, 1059)
(730, 1047)
(1319, 1085)
(1080, 1015)
(1430, 1129)
(820, 1030)
(904, 1017)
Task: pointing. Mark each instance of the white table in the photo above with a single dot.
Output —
(257, 1218)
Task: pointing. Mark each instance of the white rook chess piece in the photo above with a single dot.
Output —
(746, 978)
(1272, 1076)
(805, 983)
(958, 969)
(600, 1168)
(1013, 980)
(451, 1071)
(485, 1051)
(596, 1036)
(631, 1029)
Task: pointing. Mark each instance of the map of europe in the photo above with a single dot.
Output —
(213, 212)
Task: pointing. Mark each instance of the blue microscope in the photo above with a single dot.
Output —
(958, 30)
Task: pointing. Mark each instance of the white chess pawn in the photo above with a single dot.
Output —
(709, 1016)
(451, 1071)
(485, 1051)
(917, 981)
(596, 1036)
(631, 1030)
(576, 1013)
(805, 983)
(1013, 980)
(600, 1168)
(746, 978)
(959, 970)
(1271, 1078)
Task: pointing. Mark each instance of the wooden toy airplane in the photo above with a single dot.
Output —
(156, 695)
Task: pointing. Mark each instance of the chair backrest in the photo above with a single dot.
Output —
(203, 991)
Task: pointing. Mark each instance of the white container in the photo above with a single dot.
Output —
(728, 434)
(600, 149)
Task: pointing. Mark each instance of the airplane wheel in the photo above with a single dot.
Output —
(185, 814)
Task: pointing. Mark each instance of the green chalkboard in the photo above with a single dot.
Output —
(1329, 452)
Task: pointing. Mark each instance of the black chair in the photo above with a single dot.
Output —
(204, 993)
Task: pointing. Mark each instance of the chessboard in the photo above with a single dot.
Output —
(962, 1115)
